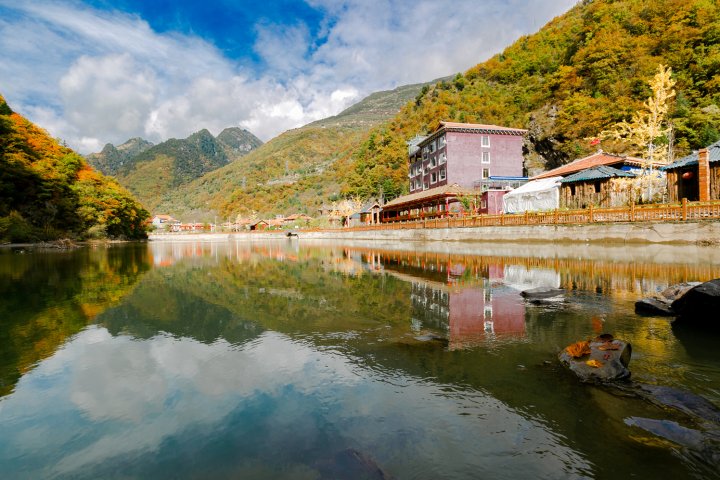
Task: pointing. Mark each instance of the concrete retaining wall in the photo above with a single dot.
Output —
(671, 233)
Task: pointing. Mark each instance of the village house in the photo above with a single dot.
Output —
(695, 177)
(591, 180)
(592, 186)
(163, 221)
(448, 163)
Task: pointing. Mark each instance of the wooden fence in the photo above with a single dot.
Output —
(685, 211)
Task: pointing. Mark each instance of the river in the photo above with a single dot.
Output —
(316, 360)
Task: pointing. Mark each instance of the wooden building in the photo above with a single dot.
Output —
(695, 177)
(590, 187)
(595, 160)
(433, 203)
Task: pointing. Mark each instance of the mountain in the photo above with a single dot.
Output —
(579, 75)
(47, 191)
(152, 171)
(112, 159)
(297, 171)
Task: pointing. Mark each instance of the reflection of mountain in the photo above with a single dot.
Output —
(45, 298)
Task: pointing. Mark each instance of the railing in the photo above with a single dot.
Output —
(684, 211)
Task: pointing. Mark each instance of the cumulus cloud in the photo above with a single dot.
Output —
(92, 76)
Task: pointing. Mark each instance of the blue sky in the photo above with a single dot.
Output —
(103, 71)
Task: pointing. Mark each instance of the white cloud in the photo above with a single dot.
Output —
(92, 76)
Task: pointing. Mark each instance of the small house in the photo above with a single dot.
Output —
(259, 225)
(163, 221)
(590, 187)
(695, 177)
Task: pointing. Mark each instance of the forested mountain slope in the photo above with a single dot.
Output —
(579, 75)
(47, 191)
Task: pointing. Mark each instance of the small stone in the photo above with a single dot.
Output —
(601, 364)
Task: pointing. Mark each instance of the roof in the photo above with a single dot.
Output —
(453, 190)
(535, 186)
(164, 217)
(596, 173)
(464, 127)
(481, 127)
(369, 205)
(692, 159)
(594, 160)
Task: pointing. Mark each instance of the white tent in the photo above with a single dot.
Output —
(542, 194)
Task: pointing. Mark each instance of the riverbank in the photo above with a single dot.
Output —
(688, 233)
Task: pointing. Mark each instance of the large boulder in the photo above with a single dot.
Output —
(654, 306)
(700, 305)
(603, 359)
(660, 305)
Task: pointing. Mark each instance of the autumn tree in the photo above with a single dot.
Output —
(648, 130)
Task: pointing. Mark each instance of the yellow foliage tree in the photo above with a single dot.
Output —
(648, 129)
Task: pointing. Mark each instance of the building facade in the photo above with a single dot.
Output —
(464, 153)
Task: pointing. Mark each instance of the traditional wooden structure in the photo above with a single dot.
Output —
(432, 203)
(695, 177)
(595, 160)
(590, 187)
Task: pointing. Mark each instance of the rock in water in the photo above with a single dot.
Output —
(673, 292)
(542, 293)
(654, 306)
(607, 361)
(700, 305)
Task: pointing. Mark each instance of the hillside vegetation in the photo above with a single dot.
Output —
(47, 191)
(152, 171)
(581, 74)
(295, 172)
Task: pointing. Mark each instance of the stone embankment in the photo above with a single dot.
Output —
(702, 233)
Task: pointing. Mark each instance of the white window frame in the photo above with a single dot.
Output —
(443, 158)
(433, 162)
(485, 140)
(484, 172)
(485, 155)
(433, 178)
(442, 175)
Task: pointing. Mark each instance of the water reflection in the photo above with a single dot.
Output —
(274, 360)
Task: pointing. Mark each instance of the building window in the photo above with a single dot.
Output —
(597, 187)
(485, 141)
(440, 142)
(431, 147)
(483, 204)
(443, 158)
(485, 173)
(485, 157)
(442, 174)
(425, 186)
(433, 178)
(433, 162)
(572, 189)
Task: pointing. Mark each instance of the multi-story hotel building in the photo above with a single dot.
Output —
(463, 154)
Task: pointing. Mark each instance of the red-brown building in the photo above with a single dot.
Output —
(463, 153)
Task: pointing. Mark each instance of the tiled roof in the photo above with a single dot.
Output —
(479, 126)
(692, 159)
(596, 173)
(594, 160)
(444, 191)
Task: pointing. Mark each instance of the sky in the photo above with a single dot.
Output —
(99, 71)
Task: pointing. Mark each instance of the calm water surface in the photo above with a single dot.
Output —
(306, 360)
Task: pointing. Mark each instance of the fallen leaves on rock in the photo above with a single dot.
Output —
(578, 349)
(594, 363)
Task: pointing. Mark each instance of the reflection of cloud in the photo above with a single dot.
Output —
(105, 401)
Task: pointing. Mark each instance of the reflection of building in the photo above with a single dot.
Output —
(470, 304)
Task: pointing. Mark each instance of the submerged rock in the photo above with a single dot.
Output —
(683, 401)
(542, 293)
(654, 306)
(350, 464)
(700, 305)
(603, 359)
